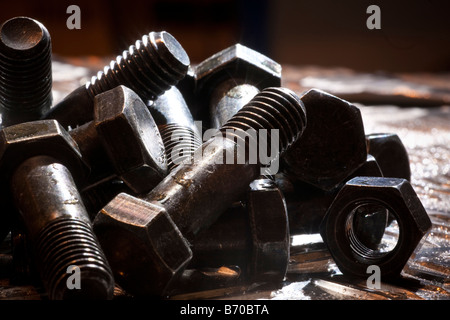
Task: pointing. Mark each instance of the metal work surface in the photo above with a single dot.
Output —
(417, 109)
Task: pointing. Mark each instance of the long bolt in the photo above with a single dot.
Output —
(60, 230)
(25, 70)
(149, 68)
(192, 196)
(197, 193)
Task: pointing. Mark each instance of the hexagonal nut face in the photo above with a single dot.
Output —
(360, 195)
(240, 63)
(44, 137)
(270, 231)
(390, 153)
(131, 138)
(144, 247)
(332, 145)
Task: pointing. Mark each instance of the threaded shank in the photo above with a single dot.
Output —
(25, 66)
(180, 143)
(70, 242)
(149, 67)
(272, 108)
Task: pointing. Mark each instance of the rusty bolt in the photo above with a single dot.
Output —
(39, 161)
(153, 233)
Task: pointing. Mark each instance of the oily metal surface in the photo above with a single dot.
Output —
(312, 273)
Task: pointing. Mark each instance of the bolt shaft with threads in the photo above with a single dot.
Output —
(149, 67)
(60, 232)
(209, 180)
(176, 125)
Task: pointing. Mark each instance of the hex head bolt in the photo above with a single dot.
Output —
(39, 163)
(351, 255)
(150, 67)
(333, 145)
(179, 133)
(229, 79)
(25, 70)
(147, 240)
(122, 140)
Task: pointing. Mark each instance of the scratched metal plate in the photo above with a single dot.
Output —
(417, 109)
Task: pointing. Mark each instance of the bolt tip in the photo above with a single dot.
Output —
(170, 49)
(22, 33)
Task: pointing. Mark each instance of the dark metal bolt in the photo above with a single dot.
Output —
(149, 68)
(56, 222)
(25, 70)
(122, 140)
(146, 240)
(179, 133)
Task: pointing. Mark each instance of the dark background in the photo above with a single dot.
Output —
(414, 35)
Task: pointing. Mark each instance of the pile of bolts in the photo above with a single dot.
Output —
(118, 179)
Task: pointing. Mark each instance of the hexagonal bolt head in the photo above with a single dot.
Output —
(333, 144)
(25, 140)
(238, 65)
(128, 227)
(390, 153)
(131, 138)
(270, 231)
(351, 255)
(43, 137)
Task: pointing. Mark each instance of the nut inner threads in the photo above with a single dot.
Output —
(359, 247)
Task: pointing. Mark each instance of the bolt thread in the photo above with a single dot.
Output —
(149, 67)
(180, 143)
(25, 72)
(69, 242)
(273, 108)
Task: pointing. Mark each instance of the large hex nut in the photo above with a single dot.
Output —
(333, 144)
(239, 64)
(144, 247)
(270, 231)
(397, 195)
(390, 153)
(131, 138)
